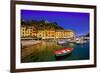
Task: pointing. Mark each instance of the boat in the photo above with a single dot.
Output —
(62, 42)
(80, 41)
(63, 52)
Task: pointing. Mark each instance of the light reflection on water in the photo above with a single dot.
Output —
(44, 51)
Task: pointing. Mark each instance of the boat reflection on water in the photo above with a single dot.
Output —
(62, 57)
(76, 51)
(63, 53)
(55, 51)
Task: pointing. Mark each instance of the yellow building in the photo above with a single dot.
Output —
(69, 34)
(50, 34)
(46, 34)
(40, 33)
(30, 31)
(60, 33)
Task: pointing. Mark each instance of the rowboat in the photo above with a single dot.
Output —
(64, 51)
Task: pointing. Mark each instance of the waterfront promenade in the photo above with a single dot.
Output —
(29, 42)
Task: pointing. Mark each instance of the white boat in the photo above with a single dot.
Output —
(80, 41)
(62, 42)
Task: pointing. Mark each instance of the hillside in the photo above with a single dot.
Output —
(41, 25)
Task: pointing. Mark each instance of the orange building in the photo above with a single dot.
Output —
(30, 31)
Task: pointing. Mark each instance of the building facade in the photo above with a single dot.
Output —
(31, 32)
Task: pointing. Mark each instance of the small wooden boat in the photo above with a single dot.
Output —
(64, 51)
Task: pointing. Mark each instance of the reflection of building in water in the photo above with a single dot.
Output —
(30, 31)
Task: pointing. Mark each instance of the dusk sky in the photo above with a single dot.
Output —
(78, 22)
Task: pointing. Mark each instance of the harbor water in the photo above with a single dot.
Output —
(44, 51)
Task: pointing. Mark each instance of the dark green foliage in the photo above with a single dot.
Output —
(41, 25)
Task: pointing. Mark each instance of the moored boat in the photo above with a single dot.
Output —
(62, 42)
(64, 51)
(80, 42)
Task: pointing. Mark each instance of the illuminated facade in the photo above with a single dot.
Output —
(30, 31)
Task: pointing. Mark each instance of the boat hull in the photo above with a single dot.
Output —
(63, 52)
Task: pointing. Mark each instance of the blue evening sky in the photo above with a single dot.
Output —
(78, 22)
